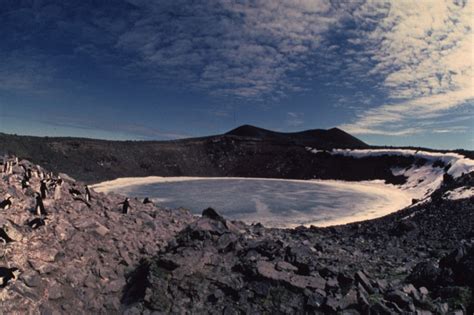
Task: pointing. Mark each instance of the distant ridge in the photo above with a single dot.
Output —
(320, 138)
(246, 151)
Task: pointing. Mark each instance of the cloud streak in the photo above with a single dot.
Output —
(244, 49)
(425, 54)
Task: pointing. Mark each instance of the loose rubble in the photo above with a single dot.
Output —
(78, 262)
(91, 258)
(417, 261)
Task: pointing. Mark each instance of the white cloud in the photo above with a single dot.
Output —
(425, 51)
(412, 60)
(245, 49)
(24, 71)
(294, 119)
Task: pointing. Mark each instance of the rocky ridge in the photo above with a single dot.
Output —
(417, 261)
(78, 263)
(95, 259)
(244, 152)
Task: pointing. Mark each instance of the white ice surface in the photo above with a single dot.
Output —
(385, 199)
(421, 182)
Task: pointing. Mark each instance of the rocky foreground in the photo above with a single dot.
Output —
(417, 261)
(79, 262)
(97, 260)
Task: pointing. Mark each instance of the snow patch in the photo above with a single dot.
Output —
(312, 150)
(458, 164)
(421, 180)
(459, 193)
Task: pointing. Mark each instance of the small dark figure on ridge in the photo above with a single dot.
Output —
(39, 207)
(88, 194)
(125, 206)
(43, 189)
(7, 203)
(36, 223)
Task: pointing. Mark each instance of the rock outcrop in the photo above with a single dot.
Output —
(240, 153)
(220, 267)
(91, 258)
(79, 262)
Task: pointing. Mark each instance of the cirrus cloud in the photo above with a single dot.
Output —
(424, 51)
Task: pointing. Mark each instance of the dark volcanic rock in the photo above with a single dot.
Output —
(265, 270)
(405, 227)
(364, 281)
(79, 261)
(93, 259)
(425, 274)
(212, 214)
(240, 154)
(461, 262)
(401, 299)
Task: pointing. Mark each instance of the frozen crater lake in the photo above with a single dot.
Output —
(272, 202)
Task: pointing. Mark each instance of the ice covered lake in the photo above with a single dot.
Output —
(272, 202)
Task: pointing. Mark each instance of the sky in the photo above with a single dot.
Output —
(389, 72)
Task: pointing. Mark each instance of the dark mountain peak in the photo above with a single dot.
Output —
(335, 129)
(319, 138)
(250, 131)
(336, 132)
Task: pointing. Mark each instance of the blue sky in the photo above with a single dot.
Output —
(389, 72)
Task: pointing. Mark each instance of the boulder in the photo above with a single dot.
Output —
(332, 285)
(32, 281)
(452, 259)
(349, 300)
(55, 291)
(412, 291)
(425, 274)
(203, 228)
(332, 305)
(345, 280)
(302, 257)
(212, 214)
(267, 248)
(381, 285)
(404, 227)
(114, 286)
(41, 267)
(67, 178)
(267, 270)
(315, 299)
(464, 271)
(461, 262)
(312, 282)
(100, 230)
(364, 281)
(401, 299)
(380, 308)
(284, 266)
(12, 232)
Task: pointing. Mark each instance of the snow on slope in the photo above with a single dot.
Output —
(459, 193)
(421, 180)
(459, 164)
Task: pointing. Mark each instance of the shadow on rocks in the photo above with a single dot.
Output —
(137, 282)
